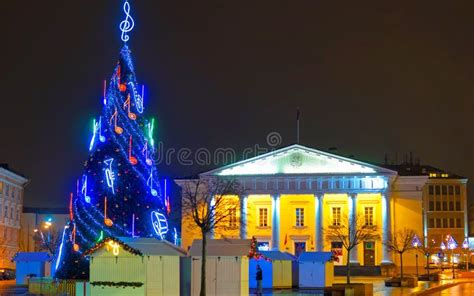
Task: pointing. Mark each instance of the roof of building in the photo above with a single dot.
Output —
(5, 166)
(278, 255)
(142, 246)
(45, 211)
(315, 256)
(32, 256)
(408, 169)
(152, 246)
(221, 247)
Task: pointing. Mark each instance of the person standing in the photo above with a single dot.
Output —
(259, 280)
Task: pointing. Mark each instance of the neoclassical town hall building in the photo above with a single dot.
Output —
(294, 192)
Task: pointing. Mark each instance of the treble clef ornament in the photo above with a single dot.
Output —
(127, 24)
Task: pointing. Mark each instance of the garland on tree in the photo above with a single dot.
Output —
(118, 284)
(108, 239)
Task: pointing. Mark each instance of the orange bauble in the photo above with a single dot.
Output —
(76, 247)
(108, 222)
(122, 87)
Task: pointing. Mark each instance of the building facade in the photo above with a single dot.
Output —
(294, 193)
(12, 187)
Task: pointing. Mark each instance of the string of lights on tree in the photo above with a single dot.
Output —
(119, 193)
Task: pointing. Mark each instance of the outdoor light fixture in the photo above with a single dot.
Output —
(416, 243)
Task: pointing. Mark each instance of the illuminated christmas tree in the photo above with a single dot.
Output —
(119, 192)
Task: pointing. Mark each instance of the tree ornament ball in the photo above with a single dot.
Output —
(108, 222)
(76, 247)
(122, 87)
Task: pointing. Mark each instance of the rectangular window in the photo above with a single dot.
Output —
(451, 190)
(445, 223)
(458, 223)
(451, 205)
(11, 213)
(438, 223)
(232, 217)
(431, 223)
(263, 217)
(369, 216)
(5, 213)
(299, 217)
(438, 206)
(444, 189)
(431, 205)
(1, 188)
(445, 205)
(451, 223)
(17, 215)
(458, 206)
(430, 190)
(336, 216)
(437, 190)
(458, 190)
(7, 190)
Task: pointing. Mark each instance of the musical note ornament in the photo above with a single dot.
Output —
(84, 189)
(117, 128)
(131, 115)
(107, 221)
(149, 182)
(133, 160)
(127, 24)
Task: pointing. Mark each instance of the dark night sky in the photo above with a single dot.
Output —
(370, 79)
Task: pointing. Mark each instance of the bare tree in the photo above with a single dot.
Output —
(400, 242)
(350, 231)
(208, 203)
(47, 241)
(427, 250)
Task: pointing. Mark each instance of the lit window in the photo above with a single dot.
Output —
(336, 216)
(299, 217)
(263, 217)
(1, 188)
(232, 217)
(369, 216)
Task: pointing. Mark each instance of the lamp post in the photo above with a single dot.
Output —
(452, 245)
(465, 246)
(416, 243)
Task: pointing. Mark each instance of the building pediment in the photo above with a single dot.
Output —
(298, 160)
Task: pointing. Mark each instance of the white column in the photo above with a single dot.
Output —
(319, 235)
(354, 259)
(386, 227)
(212, 232)
(243, 216)
(276, 222)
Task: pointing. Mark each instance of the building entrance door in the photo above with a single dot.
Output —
(369, 253)
(300, 247)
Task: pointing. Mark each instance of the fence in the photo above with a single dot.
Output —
(49, 286)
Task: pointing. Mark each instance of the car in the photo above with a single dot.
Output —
(7, 274)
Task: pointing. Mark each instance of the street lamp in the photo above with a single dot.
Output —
(452, 245)
(416, 243)
(465, 246)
